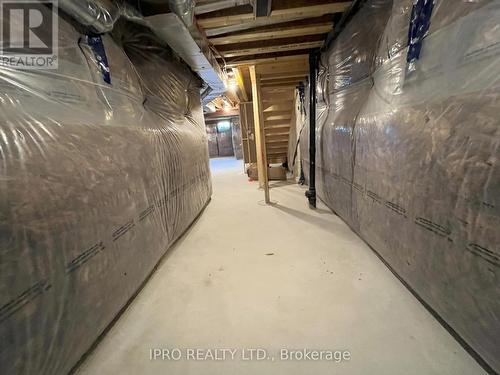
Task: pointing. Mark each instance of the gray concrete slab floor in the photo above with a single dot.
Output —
(277, 278)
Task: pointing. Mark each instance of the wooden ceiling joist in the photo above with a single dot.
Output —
(289, 85)
(282, 82)
(284, 76)
(295, 67)
(275, 92)
(270, 49)
(285, 32)
(280, 15)
(268, 60)
(251, 25)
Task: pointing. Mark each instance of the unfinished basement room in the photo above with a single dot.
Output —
(250, 187)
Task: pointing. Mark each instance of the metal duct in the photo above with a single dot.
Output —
(224, 4)
(181, 33)
(100, 16)
(184, 9)
(177, 29)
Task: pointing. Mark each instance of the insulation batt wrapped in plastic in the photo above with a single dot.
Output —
(409, 158)
(97, 180)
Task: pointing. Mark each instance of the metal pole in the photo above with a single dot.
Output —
(313, 67)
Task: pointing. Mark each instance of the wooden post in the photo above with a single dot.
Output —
(260, 137)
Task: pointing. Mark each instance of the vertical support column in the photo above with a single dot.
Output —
(313, 66)
(260, 137)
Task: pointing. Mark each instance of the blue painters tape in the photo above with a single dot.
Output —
(97, 46)
(419, 26)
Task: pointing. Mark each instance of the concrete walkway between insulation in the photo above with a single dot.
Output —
(276, 277)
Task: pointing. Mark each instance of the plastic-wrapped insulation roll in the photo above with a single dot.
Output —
(103, 165)
(408, 151)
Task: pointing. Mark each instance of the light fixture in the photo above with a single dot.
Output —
(231, 82)
(232, 85)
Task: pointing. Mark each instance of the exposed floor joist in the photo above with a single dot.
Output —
(285, 32)
(269, 49)
(268, 60)
(284, 76)
(296, 67)
(270, 53)
(280, 15)
(260, 22)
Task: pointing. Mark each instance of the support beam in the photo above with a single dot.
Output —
(284, 32)
(241, 84)
(262, 8)
(260, 137)
(271, 49)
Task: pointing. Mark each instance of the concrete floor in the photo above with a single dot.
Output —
(275, 277)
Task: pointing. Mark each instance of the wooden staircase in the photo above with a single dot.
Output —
(273, 92)
(276, 84)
